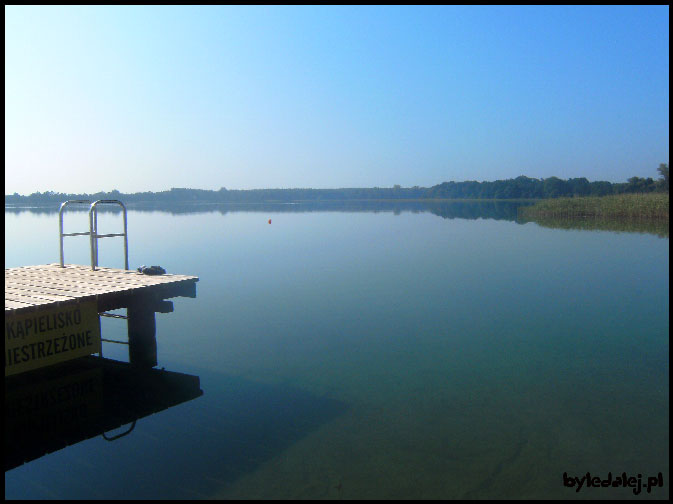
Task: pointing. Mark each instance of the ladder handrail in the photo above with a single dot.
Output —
(93, 232)
(60, 225)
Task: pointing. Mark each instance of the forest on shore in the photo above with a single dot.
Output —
(521, 187)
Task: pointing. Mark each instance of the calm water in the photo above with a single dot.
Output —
(399, 353)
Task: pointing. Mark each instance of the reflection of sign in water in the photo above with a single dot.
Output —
(41, 338)
(46, 414)
(57, 406)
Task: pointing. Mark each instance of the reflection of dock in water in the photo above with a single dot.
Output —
(50, 408)
(56, 392)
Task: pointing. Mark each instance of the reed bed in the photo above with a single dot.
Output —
(618, 206)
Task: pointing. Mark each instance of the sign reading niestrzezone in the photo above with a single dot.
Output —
(45, 337)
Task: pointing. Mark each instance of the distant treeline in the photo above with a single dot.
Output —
(553, 187)
(179, 195)
(519, 188)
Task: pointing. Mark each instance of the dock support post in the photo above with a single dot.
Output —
(142, 330)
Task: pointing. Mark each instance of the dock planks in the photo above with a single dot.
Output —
(36, 287)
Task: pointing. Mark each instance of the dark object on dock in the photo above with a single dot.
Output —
(95, 396)
(151, 270)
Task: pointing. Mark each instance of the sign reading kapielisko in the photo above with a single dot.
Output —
(45, 337)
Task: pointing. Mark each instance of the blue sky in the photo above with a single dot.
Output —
(148, 98)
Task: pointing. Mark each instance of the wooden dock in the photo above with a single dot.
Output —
(50, 305)
(30, 288)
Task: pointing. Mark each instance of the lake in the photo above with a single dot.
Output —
(379, 351)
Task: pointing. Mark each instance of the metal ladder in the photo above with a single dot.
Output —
(93, 241)
(93, 230)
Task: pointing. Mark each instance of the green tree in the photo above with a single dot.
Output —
(554, 187)
(579, 186)
(601, 188)
(663, 172)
